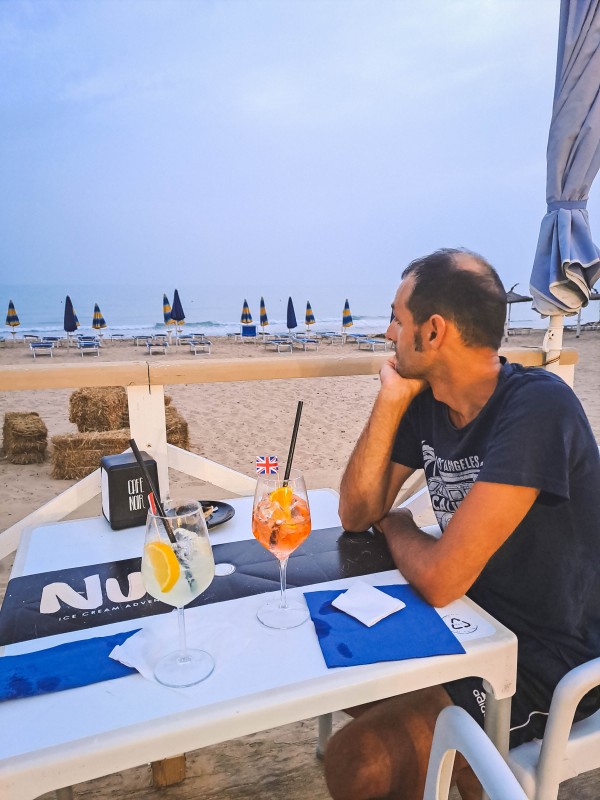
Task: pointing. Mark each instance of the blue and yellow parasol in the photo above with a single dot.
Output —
(12, 319)
(264, 320)
(167, 311)
(246, 318)
(309, 317)
(98, 320)
(347, 316)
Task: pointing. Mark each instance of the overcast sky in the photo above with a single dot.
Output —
(228, 138)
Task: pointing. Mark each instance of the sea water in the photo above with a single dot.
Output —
(134, 310)
(215, 310)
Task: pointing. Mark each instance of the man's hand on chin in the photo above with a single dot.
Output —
(392, 380)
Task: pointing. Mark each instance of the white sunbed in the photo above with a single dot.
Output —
(89, 347)
(41, 349)
(279, 344)
(372, 344)
(199, 346)
(305, 342)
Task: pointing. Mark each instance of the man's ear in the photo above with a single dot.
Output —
(436, 330)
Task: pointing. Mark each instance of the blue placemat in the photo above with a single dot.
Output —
(66, 666)
(416, 631)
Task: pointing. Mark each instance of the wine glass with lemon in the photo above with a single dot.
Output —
(177, 566)
(281, 522)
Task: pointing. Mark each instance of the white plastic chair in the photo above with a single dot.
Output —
(567, 749)
(456, 730)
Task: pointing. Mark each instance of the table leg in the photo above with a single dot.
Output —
(325, 727)
(64, 794)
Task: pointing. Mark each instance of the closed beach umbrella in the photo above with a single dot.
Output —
(177, 314)
(291, 315)
(567, 262)
(167, 311)
(513, 297)
(347, 316)
(12, 319)
(246, 318)
(177, 311)
(98, 320)
(309, 317)
(264, 320)
(71, 323)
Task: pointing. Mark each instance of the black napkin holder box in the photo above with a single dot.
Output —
(125, 490)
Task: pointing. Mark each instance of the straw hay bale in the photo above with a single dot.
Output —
(25, 437)
(177, 428)
(76, 455)
(101, 409)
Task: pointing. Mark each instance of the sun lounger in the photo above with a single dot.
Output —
(54, 340)
(280, 345)
(41, 349)
(28, 338)
(90, 347)
(305, 342)
(141, 340)
(356, 337)
(157, 348)
(372, 344)
(199, 346)
(331, 336)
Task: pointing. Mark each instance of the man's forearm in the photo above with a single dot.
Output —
(365, 485)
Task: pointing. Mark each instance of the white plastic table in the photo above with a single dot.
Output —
(276, 677)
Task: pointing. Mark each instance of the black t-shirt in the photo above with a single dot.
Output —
(544, 582)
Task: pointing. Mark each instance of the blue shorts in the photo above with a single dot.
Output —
(529, 708)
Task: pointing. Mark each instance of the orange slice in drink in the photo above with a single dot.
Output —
(164, 565)
(282, 495)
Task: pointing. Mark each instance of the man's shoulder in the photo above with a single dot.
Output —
(535, 383)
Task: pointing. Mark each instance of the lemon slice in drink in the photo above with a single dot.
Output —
(164, 565)
(282, 495)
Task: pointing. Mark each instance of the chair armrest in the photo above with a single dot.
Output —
(567, 695)
(456, 730)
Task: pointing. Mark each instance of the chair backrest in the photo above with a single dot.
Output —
(456, 730)
(567, 749)
(249, 330)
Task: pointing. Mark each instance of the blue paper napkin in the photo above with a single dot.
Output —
(414, 632)
(66, 666)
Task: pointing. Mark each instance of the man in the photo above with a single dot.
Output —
(513, 473)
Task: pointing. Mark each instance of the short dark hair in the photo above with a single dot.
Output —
(473, 299)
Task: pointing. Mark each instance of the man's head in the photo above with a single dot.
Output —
(462, 287)
(457, 286)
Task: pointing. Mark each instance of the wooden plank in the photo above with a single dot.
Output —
(168, 771)
(268, 368)
(73, 376)
(141, 373)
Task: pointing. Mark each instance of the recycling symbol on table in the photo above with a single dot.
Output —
(459, 625)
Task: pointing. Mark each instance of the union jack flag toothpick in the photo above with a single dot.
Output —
(267, 465)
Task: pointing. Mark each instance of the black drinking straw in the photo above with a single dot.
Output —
(288, 465)
(146, 474)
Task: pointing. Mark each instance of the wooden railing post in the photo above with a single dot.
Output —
(148, 427)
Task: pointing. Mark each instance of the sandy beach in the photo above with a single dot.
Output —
(232, 423)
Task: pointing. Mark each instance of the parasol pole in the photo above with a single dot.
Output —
(552, 344)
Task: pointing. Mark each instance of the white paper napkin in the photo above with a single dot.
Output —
(366, 603)
(159, 637)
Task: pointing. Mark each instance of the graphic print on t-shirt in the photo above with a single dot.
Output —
(448, 481)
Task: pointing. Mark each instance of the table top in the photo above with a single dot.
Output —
(263, 678)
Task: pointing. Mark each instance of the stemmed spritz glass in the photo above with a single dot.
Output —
(177, 566)
(281, 522)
